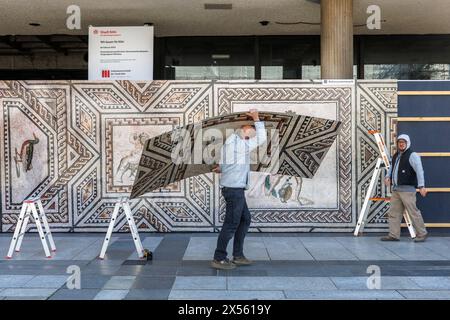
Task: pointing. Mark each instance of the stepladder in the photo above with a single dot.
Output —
(32, 208)
(123, 204)
(382, 163)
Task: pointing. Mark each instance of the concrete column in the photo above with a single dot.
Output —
(336, 39)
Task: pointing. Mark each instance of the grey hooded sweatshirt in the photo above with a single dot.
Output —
(416, 164)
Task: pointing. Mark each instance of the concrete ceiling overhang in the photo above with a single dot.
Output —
(189, 17)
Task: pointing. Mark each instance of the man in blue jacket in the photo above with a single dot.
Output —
(234, 172)
(405, 175)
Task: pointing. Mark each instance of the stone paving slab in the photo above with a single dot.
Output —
(74, 294)
(225, 295)
(387, 283)
(200, 283)
(426, 295)
(409, 250)
(286, 248)
(432, 283)
(104, 270)
(14, 281)
(47, 281)
(344, 295)
(280, 283)
(327, 249)
(148, 294)
(27, 292)
(153, 282)
(172, 248)
(438, 246)
(120, 282)
(84, 248)
(93, 250)
(25, 298)
(93, 281)
(148, 270)
(365, 249)
(67, 249)
(111, 295)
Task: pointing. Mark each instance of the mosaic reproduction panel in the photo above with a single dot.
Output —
(77, 145)
(301, 144)
(376, 105)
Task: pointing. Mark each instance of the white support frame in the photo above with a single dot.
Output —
(124, 204)
(382, 162)
(29, 210)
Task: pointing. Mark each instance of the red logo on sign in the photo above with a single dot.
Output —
(105, 74)
(95, 31)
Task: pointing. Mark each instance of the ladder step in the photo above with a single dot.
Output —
(380, 199)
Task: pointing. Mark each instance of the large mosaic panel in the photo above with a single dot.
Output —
(77, 144)
(321, 203)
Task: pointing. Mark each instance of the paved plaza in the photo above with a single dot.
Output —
(287, 266)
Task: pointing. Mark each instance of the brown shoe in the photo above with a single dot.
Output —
(242, 261)
(223, 264)
(420, 238)
(389, 238)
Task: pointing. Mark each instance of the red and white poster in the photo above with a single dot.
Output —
(121, 53)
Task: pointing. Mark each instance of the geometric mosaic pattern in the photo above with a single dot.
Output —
(78, 143)
(376, 107)
(300, 219)
(90, 135)
(303, 143)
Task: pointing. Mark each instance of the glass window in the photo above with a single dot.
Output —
(406, 57)
(289, 57)
(198, 58)
(214, 72)
(271, 72)
(311, 72)
(407, 71)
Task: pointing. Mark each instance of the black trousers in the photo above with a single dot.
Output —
(236, 223)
